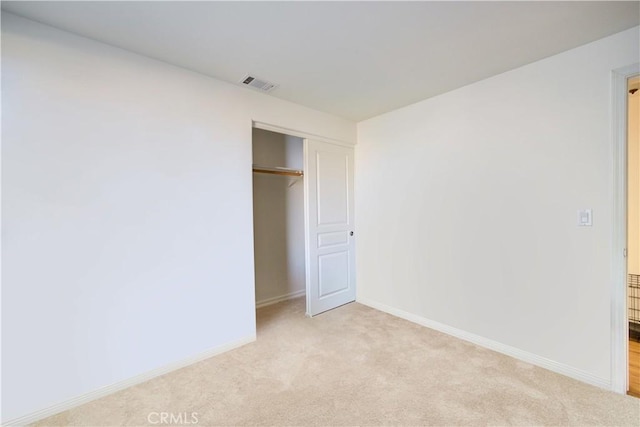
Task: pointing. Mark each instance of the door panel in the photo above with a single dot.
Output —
(333, 238)
(330, 246)
(332, 190)
(333, 273)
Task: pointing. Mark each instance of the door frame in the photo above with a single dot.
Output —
(305, 136)
(619, 315)
(300, 134)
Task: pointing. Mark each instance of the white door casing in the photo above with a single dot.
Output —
(329, 212)
(619, 319)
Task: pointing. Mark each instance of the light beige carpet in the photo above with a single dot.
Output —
(358, 366)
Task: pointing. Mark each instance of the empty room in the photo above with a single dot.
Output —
(320, 213)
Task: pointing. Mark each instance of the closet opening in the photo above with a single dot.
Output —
(278, 217)
(303, 221)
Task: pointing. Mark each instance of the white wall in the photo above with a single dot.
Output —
(278, 217)
(127, 212)
(466, 206)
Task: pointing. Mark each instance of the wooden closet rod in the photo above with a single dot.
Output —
(277, 171)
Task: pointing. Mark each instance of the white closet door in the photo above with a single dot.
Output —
(330, 240)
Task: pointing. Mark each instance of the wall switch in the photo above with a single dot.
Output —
(585, 218)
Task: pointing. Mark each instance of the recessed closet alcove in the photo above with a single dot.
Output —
(278, 216)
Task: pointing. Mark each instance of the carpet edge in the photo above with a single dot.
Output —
(121, 385)
(525, 356)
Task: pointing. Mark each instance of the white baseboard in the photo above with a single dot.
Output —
(274, 300)
(525, 356)
(104, 391)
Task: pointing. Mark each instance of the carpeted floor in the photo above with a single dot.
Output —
(357, 366)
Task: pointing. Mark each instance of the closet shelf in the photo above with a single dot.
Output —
(277, 170)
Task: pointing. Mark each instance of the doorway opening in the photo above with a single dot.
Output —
(278, 217)
(303, 216)
(633, 233)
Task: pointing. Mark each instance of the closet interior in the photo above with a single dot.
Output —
(278, 217)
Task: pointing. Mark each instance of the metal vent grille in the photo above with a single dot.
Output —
(257, 83)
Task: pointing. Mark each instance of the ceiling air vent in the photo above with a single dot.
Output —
(256, 83)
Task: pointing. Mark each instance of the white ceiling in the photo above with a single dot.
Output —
(352, 59)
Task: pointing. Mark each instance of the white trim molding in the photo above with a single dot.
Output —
(619, 326)
(516, 353)
(299, 134)
(275, 300)
(121, 385)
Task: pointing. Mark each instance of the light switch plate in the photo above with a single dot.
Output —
(585, 218)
